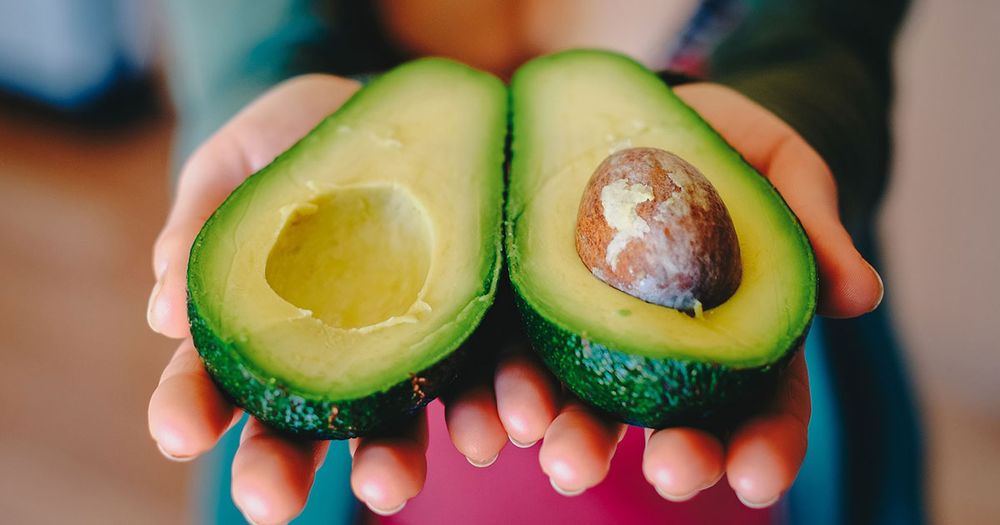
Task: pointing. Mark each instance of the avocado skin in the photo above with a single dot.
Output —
(311, 416)
(654, 393)
(307, 416)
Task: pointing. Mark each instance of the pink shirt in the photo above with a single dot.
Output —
(514, 490)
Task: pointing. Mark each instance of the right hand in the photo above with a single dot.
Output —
(273, 473)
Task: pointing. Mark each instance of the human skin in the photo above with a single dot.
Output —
(272, 473)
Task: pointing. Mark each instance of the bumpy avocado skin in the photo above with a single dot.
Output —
(654, 393)
(308, 416)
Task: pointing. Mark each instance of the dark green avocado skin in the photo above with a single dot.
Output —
(306, 416)
(654, 393)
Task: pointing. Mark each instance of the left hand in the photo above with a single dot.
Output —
(762, 457)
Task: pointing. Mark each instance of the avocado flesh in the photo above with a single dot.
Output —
(645, 363)
(329, 293)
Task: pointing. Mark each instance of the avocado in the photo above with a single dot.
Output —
(330, 293)
(645, 363)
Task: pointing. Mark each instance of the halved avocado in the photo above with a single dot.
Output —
(330, 293)
(644, 363)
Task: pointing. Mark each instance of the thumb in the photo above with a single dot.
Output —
(245, 144)
(848, 286)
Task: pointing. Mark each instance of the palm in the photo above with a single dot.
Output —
(272, 474)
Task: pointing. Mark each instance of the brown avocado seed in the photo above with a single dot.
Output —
(651, 225)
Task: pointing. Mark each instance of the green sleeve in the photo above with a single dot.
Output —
(824, 67)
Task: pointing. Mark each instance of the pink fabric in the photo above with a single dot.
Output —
(514, 490)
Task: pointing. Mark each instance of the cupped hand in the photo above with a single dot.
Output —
(272, 473)
(762, 457)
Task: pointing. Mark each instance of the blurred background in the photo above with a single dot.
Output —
(85, 158)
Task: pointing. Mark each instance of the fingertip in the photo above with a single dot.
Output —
(849, 286)
(387, 475)
(475, 427)
(182, 437)
(252, 503)
(577, 449)
(258, 505)
(186, 413)
(167, 442)
(166, 313)
(765, 457)
(526, 399)
(272, 474)
(391, 468)
(680, 462)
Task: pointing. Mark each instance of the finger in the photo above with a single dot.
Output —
(765, 454)
(527, 398)
(272, 473)
(681, 462)
(187, 413)
(849, 286)
(247, 143)
(474, 425)
(390, 469)
(577, 449)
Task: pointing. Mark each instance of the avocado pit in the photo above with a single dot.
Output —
(653, 226)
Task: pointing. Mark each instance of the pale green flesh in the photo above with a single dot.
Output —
(570, 112)
(369, 251)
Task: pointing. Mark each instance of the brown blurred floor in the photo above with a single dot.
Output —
(78, 213)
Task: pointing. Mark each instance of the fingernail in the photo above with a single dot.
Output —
(483, 464)
(171, 457)
(673, 497)
(520, 444)
(564, 492)
(881, 286)
(383, 512)
(150, 318)
(755, 505)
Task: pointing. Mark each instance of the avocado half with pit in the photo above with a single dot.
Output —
(642, 362)
(329, 294)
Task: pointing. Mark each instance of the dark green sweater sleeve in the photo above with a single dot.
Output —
(824, 67)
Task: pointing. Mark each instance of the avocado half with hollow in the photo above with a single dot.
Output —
(641, 362)
(330, 292)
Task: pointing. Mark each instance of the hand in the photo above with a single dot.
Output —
(272, 473)
(762, 457)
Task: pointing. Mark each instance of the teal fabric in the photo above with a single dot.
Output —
(331, 501)
(882, 471)
(224, 53)
(816, 496)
